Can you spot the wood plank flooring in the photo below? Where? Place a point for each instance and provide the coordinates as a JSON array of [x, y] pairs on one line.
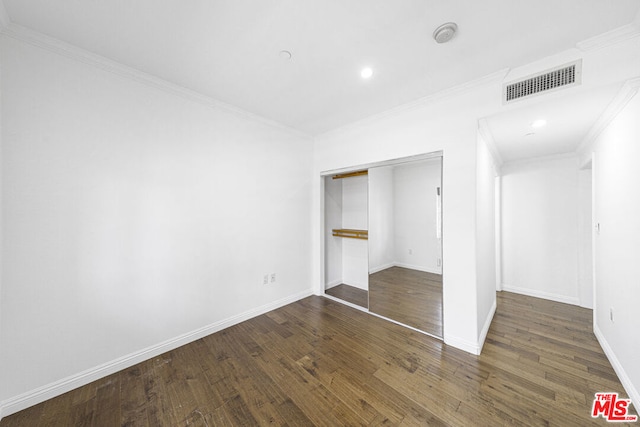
[[350, 294], [319, 362], [408, 296]]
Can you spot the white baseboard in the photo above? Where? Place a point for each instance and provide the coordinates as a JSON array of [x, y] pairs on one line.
[[364, 287], [473, 347], [39, 395], [632, 391], [541, 294], [464, 345], [417, 267], [333, 283], [403, 265], [381, 267], [487, 325]]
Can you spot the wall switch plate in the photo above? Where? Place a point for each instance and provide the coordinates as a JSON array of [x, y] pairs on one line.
[[265, 279], [273, 278]]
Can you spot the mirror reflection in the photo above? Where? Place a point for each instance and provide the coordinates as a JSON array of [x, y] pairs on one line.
[[383, 241], [405, 244]]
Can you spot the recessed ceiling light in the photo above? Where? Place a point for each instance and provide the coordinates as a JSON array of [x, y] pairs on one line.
[[539, 123], [366, 73]]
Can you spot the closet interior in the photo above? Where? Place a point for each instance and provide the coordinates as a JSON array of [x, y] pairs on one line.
[[383, 240]]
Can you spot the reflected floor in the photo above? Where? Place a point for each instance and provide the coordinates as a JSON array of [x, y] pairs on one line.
[[411, 297], [408, 296], [350, 294]]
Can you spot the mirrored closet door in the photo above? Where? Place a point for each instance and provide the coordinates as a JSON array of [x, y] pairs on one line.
[[383, 240], [405, 244]]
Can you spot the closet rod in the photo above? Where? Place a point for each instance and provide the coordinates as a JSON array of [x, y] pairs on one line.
[[351, 174], [350, 233]]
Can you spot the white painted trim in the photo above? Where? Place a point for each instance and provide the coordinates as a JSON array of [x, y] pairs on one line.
[[498, 231], [347, 303], [610, 38], [634, 394], [417, 268], [464, 345], [381, 267], [493, 78], [626, 94], [33, 397], [59, 47], [333, 283], [533, 160], [487, 136], [541, 294], [402, 265], [405, 325], [487, 325], [390, 162], [366, 310]]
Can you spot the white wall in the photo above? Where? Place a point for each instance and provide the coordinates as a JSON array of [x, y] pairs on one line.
[[132, 216], [402, 216], [448, 125], [485, 238], [381, 219], [415, 194], [3, 380], [585, 246], [355, 252], [617, 247], [540, 228]]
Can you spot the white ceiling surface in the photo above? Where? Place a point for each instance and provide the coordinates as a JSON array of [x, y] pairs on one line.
[[569, 119], [229, 50]]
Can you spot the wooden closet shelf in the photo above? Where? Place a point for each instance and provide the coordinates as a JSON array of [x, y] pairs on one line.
[[351, 174], [352, 234]]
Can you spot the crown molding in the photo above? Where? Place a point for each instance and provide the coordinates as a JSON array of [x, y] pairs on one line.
[[5, 20], [59, 47], [487, 136], [612, 37], [493, 78], [625, 94], [506, 168]]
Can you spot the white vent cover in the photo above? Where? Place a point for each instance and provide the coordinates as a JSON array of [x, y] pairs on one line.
[[562, 77]]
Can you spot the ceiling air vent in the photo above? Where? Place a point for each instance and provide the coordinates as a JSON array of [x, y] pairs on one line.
[[565, 76]]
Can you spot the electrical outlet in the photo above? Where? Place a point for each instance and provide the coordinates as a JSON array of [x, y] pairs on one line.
[[611, 314], [439, 262], [273, 278], [265, 279], [410, 251]]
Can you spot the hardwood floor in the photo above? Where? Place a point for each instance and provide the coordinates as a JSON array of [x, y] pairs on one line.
[[319, 362], [350, 294], [410, 297]]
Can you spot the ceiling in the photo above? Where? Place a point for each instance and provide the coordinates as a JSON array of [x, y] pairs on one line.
[[568, 119], [230, 50]]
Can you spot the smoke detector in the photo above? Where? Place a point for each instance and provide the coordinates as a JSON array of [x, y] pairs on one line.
[[445, 32]]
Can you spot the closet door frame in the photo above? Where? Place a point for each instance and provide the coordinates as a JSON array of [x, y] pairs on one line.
[[323, 231]]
